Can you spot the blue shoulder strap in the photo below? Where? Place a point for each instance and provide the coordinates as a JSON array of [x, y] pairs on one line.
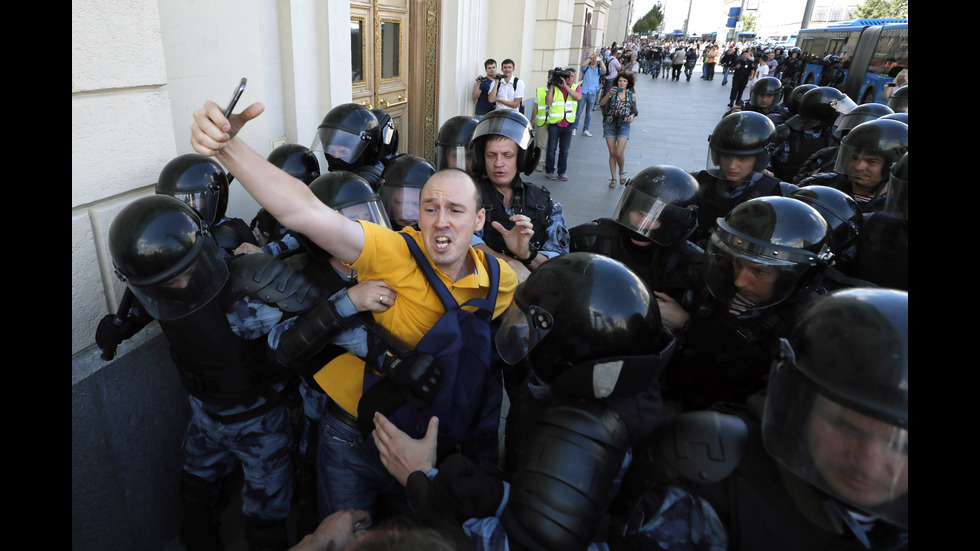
[[485, 306]]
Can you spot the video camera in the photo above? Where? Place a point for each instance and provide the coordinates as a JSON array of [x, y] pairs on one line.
[[557, 76]]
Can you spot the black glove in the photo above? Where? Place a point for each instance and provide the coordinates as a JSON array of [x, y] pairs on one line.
[[465, 490], [111, 333], [417, 376]]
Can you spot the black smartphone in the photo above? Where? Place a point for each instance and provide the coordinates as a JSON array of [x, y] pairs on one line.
[[235, 97]]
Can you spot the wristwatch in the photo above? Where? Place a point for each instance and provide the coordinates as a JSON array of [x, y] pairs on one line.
[[530, 257]]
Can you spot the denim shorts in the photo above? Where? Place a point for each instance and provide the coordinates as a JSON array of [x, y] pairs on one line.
[[609, 130]]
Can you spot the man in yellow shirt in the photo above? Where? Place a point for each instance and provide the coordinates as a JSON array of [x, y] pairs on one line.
[[451, 211]]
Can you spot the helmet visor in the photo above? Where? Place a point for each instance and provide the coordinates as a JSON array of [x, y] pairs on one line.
[[521, 331], [371, 211], [454, 156], [339, 144], [857, 458], [758, 279], [203, 201], [188, 289], [652, 218], [402, 204]]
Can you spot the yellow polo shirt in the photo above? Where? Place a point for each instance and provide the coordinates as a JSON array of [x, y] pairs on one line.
[[416, 309]]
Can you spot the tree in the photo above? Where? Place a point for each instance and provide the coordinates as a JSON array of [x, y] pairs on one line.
[[651, 21], [748, 23], [877, 9]]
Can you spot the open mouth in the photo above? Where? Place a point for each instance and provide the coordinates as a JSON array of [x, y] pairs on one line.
[[442, 243]]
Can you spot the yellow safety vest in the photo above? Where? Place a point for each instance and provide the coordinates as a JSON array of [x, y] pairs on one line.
[[542, 117], [561, 108]]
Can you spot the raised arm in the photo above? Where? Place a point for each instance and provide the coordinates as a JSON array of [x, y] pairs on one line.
[[285, 197]]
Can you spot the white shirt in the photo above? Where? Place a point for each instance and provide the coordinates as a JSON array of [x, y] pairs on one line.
[[506, 91]]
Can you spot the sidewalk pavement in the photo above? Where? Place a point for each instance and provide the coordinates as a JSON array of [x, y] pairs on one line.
[[672, 128]]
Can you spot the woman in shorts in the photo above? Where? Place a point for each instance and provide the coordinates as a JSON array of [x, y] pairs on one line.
[[619, 109]]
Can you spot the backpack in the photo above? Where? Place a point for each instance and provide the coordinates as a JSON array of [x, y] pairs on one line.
[[520, 108], [465, 367]]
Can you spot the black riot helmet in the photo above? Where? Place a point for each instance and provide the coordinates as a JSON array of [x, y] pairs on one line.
[[897, 201], [887, 139], [796, 96], [509, 124], [837, 408], [775, 239], [389, 133], [349, 137], [453, 148], [659, 205], [899, 102], [839, 211], [860, 114], [351, 196], [581, 320], [821, 107], [768, 86], [794, 50], [401, 188], [297, 161], [900, 117], [742, 134], [165, 253], [198, 181]]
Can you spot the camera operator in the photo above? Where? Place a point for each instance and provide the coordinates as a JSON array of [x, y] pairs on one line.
[[481, 91], [562, 105]]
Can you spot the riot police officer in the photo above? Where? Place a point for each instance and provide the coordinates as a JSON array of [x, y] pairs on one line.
[[212, 311], [352, 139], [763, 263], [765, 97], [453, 147], [201, 183], [649, 230], [883, 249], [523, 221], [401, 185], [824, 159], [739, 150], [864, 162], [810, 130], [828, 466]]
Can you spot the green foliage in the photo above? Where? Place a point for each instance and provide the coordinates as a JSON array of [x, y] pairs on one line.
[[650, 22], [748, 23], [873, 9]]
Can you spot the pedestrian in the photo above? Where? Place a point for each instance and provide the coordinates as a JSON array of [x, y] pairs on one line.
[[616, 120]]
